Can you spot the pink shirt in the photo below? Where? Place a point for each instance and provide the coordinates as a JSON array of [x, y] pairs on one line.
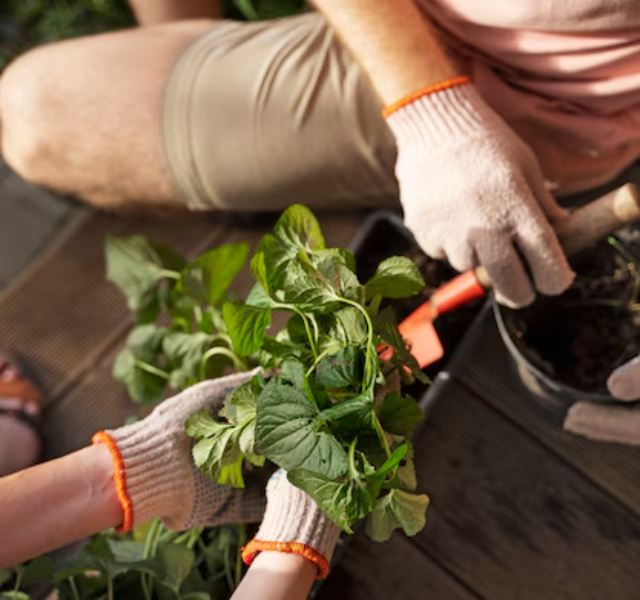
[[565, 74]]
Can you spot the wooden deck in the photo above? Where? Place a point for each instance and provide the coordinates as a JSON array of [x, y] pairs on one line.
[[520, 510]]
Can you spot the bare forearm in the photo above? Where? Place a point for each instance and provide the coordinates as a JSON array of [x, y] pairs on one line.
[[56, 503], [277, 576], [392, 41], [152, 12]]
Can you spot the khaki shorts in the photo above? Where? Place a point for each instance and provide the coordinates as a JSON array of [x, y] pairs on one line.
[[258, 116]]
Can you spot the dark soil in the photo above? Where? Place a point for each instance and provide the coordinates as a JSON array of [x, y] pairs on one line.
[[389, 239], [578, 338]]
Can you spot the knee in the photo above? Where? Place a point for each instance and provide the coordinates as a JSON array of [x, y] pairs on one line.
[[25, 99]]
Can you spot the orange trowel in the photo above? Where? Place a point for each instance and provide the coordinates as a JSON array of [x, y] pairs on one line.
[[580, 230]]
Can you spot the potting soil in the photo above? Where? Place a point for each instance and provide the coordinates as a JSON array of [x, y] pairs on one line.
[[578, 338]]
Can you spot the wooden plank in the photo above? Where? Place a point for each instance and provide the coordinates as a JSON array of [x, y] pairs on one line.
[[97, 402], [31, 216], [512, 520], [396, 570], [485, 368]]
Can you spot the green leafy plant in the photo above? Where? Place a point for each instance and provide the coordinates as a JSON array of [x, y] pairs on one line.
[[326, 409], [161, 287], [148, 563], [320, 414]]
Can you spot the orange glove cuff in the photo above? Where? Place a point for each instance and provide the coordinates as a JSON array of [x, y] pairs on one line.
[[255, 546], [119, 478], [427, 91]]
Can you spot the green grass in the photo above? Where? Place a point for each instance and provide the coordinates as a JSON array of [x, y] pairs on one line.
[[28, 23]]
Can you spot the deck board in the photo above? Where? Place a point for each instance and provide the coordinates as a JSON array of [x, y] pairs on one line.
[[513, 520], [31, 218], [396, 570]]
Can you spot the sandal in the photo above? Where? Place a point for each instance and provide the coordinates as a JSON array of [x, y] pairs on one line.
[[20, 396]]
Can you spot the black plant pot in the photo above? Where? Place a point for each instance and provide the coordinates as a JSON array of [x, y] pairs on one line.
[[551, 395]]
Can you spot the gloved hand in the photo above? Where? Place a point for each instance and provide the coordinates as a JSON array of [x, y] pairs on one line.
[[156, 476], [473, 193], [611, 422], [294, 524]]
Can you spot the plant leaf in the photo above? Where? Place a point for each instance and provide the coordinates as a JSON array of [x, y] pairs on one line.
[[406, 475], [343, 502], [351, 415], [202, 425], [353, 325], [136, 267], [345, 257], [258, 298], [143, 387], [208, 278], [399, 415], [177, 562], [298, 227], [303, 285], [342, 369], [386, 326], [398, 509], [286, 433], [184, 353], [241, 404], [297, 230], [395, 277], [39, 570], [218, 456], [246, 325]]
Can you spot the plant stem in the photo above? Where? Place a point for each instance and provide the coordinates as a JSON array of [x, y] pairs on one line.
[[242, 540], [19, 575], [312, 344], [148, 552], [169, 274], [197, 313], [353, 469], [316, 329], [227, 568], [109, 586], [74, 588], [143, 366], [221, 351], [370, 349], [381, 436], [194, 537], [315, 362]]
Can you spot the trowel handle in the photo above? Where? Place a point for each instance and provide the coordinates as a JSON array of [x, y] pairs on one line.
[[581, 229], [598, 219]]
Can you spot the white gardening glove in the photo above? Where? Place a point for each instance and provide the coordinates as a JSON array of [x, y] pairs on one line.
[[294, 524], [611, 422], [473, 193], [155, 474]]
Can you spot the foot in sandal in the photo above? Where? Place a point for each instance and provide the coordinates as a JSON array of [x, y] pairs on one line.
[[20, 410]]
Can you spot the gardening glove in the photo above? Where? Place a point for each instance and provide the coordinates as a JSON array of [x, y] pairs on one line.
[[472, 192], [611, 422], [155, 474], [294, 524]]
